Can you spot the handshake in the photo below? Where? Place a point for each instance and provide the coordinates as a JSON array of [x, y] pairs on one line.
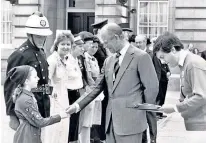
[[70, 110]]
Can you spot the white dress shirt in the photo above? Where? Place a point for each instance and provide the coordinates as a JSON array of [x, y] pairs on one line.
[[123, 52]]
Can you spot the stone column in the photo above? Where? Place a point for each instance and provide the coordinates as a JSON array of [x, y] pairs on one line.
[[85, 4], [133, 16], [55, 11], [49, 9], [111, 10]]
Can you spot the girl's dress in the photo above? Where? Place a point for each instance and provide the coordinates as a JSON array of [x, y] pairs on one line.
[[31, 121]]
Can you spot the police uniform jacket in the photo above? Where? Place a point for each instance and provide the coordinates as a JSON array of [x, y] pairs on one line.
[[28, 54], [31, 120]]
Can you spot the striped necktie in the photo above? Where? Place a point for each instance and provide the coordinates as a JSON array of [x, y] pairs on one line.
[[116, 65]]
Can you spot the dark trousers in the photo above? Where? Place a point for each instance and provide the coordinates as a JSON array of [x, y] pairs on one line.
[[43, 103], [162, 94], [96, 132], [73, 95], [152, 123]]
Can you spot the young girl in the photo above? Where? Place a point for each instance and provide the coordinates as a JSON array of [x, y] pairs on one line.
[[26, 109]]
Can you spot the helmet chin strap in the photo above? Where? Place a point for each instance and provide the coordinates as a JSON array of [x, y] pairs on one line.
[[32, 38]]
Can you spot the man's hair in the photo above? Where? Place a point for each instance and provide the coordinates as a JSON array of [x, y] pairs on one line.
[[113, 29], [132, 38], [166, 42], [144, 37]]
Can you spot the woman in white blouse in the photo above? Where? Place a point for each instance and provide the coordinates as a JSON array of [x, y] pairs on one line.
[[75, 84], [58, 75]]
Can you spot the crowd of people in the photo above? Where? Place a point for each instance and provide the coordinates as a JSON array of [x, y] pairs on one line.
[[88, 89]]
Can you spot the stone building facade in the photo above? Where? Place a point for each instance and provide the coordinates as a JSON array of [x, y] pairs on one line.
[[187, 19]]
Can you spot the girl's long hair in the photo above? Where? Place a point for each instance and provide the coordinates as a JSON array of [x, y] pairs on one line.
[[17, 91]]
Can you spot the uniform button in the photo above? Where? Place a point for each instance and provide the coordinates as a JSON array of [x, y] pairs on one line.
[[35, 65], [44, 77], [42, 69], [36, 54], [40, 62]]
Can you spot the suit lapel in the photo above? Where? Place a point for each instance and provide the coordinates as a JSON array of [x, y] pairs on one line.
[[110, 72], [125, 63]]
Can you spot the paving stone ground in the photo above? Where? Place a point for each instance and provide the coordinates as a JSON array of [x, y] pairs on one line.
[[170, 129], [173, 129]]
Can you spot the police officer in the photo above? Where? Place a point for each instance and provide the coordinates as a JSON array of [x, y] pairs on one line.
[[31, 53]]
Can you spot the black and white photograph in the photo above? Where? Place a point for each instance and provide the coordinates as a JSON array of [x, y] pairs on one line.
[[103, 71]]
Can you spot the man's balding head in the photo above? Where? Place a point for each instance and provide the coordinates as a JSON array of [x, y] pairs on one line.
[[112, 37], [111, 29]]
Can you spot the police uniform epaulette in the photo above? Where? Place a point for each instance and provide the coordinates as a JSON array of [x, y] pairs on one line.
[[23, 48]]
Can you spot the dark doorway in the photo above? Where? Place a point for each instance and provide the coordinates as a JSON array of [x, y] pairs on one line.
[[78, 22]]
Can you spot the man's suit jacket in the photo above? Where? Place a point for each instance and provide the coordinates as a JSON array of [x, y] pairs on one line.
[[136, 81], [156, 62]]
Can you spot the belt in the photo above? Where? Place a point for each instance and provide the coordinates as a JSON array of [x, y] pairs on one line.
[[73, 90], [45, 89], [23, 121]]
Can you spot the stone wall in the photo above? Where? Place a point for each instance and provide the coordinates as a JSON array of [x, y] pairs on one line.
[[20, 14], [111, 10], [54, 10], [190, 22]]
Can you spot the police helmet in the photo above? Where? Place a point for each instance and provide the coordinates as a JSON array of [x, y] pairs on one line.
[[38, 24]]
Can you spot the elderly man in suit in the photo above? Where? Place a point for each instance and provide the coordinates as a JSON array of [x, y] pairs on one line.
[[130, 77]]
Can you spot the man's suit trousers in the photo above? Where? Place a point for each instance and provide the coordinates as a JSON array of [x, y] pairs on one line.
[[112, 137]]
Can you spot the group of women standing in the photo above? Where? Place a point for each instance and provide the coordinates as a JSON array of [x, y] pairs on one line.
[[72, 70]]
